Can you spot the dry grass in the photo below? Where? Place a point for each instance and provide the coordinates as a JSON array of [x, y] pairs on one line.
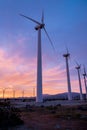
[[52, 118]]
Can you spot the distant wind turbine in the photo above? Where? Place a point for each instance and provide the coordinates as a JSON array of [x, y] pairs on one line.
[[3, 93], [40, 25], [80, 85], [67, 55], [22, 93], [85, 75], [13, 93], [33, 91]]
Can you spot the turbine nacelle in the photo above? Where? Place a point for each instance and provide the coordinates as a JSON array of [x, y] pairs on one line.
[[40, 26], [78, 67], [84, 74], [66, 55]]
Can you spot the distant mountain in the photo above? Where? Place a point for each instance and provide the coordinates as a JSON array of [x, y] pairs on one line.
[[75, 95]]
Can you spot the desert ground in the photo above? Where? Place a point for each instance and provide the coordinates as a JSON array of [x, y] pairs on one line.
[[52, 115]]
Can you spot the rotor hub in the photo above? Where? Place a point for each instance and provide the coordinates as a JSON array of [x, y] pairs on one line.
[[66, 55], [39, 26], [78, 67]]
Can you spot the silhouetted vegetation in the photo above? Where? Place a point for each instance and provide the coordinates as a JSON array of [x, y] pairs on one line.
[[9, 116]]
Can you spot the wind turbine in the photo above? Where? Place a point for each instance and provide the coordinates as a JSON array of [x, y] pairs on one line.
[[33, 91], [3, 93], [85, 75], [40, 25], [22, 93], [66, 56], [78, 67], [13, 93]]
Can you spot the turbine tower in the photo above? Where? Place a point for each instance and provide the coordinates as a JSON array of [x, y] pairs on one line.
[[22, 93], [3, 93], [14, 94], [33, 91], [66, 56], [84, 76], [40, 25], [80, 85]]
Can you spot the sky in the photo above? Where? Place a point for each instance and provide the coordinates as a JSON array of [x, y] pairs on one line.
[[66, 24]]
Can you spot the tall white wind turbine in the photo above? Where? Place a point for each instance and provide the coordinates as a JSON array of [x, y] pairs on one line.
[[66, 56], [85, 75], [40, 25], [78, 67]]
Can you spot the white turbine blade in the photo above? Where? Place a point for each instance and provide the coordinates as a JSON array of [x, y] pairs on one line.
[[42, 20], [67, 50], [30, 19], [84, 70], [77, 63], [49, 39]]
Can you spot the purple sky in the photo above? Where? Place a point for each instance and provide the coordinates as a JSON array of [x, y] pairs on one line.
[[66, 23]]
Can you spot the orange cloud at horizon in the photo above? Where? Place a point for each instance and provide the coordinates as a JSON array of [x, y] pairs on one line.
[[19, 74]]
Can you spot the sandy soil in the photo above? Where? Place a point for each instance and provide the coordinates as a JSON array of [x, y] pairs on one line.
[[54, 118]]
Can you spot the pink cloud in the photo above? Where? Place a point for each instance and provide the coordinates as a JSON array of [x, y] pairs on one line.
[[21, 74]]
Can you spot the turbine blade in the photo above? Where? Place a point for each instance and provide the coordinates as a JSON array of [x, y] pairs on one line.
[[84, 69], [49, 39], [85, 72], [30, 19], [76, 63], [67, 50], [42, 20]]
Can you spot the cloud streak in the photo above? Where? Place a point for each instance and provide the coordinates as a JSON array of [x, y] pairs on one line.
[[20, 73]]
